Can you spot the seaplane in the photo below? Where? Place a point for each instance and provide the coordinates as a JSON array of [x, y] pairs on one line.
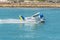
[[36, 18]]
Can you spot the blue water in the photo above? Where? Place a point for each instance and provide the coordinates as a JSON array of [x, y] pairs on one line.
[[50, 30]]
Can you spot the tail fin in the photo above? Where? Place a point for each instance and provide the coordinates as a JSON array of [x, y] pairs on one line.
[[20, 18]]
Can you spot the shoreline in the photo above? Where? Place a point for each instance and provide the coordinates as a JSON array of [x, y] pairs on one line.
[[40, 5]]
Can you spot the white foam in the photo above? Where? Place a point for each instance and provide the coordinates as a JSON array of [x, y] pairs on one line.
[[9, 21], [2, 21]]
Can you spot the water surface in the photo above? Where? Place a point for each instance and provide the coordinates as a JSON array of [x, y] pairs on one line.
[[50, 30]]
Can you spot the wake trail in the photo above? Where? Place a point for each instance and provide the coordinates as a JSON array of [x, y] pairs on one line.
[[3, 21], [9, 21]]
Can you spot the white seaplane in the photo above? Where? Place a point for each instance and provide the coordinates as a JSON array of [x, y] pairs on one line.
[[36, 18]]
